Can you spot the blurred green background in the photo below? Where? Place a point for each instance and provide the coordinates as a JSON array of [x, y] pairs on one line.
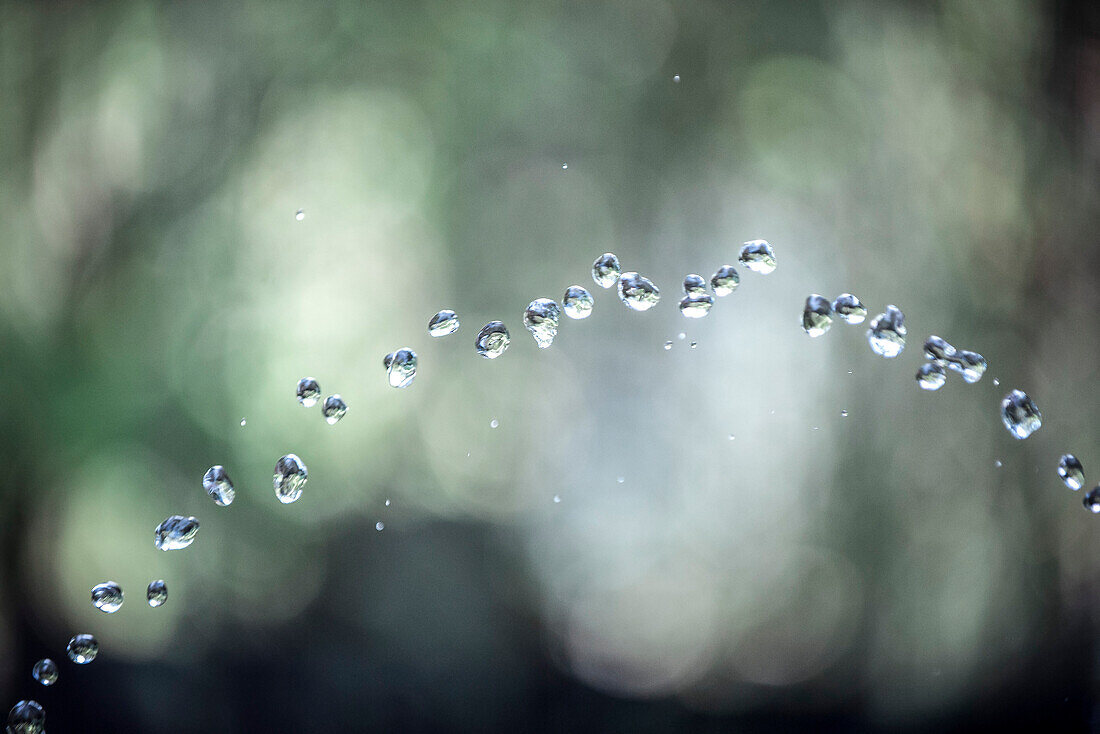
[[730, 551]]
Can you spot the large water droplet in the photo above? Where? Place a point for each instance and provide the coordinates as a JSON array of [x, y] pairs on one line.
[[849, 308], [696, 305], [725, 280], [817, 315], [887, 333], [694, 284], [1020, 415], [1092, 499], [26, 717], [577, 302], [757, 256], [938, 349], [970, 365], [82, 649], [217, 484], [638, 292], [931, 376], [45, 672], [290, 478], [606, 270], [1071, 471], [493, 339], [541, 318], [157, 593], [443, 323], [334, 409], [107, 597], [400, 367], [175, 533], [309, 392]]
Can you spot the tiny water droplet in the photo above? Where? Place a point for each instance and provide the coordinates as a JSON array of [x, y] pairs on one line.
[[243, 422], [309, 392], [26, 717], [107, 597], [82, 649], [817, 315], [1092, 499], [844, 414], [334, 409], [668, 345], [620, 480], [443, 323], [849, 308], [557, 499], [157, 593], [757, 256], [606, 270], [300, 214], [996, 382], [693, 345], [565, 166], [175, 533], [938, 349], [998, 463], [1071, 471], [45, 672], [1020, 414], [493, 339], [577, 302], [732, 437], [290, 478], [931, 376], [887, 333], [218, 485], [541, 318], [379, 526], [676, 78], [638, 292], [387, 503], [725, 280], [400, 367], [494, 423], [681, 336]]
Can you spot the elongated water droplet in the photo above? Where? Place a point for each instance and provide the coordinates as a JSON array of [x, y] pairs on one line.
[[243, 422], [887, 333], [400, 367], [443, 323], [817, 315], [931, 376], [1020, 414], [218, 485], [27, 717], [849, 308], [1071, 471], [290, 478], [82, 649], [541, 318], [757, 256], [493, 339], [175, 533], [107, 597], [45, 672], [309, 392], [334, 409], [725, 280], [638, 292], [694, 284], [577, 302], [1092, 500], [157, 593], [938, 349], [606, 270], [970, 365], [696, 305]]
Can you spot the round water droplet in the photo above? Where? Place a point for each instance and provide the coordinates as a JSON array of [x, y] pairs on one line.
[[45, 672], [817, 315], [243, 422], [107, 597], [887, 333], [217, 484], [606, 270], [557, 499], [493, 339], [694, 284], [620, 480], [725, 280], [400, 367], [1071, 472], [938, 349], [693, 345], [309, 392], [300, 214], [931, 376], [732, 437], [638, 292], [996, 382], [157, 593], [844, 414], [998, 463], [541, 318], [175, 533], [290, 478], [379, 526], [696, 306], [577, 302], [1092, 499], [334, 409], [27, 717], [970, 365], [494, 423], [849, 308], [443, 323], [757, 256], [82, 649], [565, 166], [681, 336], [676, 78], [1020, 414], [668, 345]]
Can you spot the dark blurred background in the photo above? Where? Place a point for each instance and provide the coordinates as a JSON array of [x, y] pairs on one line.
[[761, 532]]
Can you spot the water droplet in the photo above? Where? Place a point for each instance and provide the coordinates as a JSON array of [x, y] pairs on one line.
[[638, 292], [996, 382], [492, 341], [998, 463], [565, 166], [300, 214], [290, 478], [620, 480], [1092, 499], [676, 78], [107, 597], [938, 349], [931, 376], [693, 345], [27, 717], [817, 315], [844, 414], [577, 302], [849, 308], [494, 423], [541, 318], [400, 367], [694, 284], [557, 499], [696, 306], [887, 333], [1071, 471], [725, 280], [82, 649], [757, 256], [334, 409], [732, 437], [175, 533], [309, 392], [387, 503], [379, 526], [668, 345], [970, 365], [243, 422], [45, 672], [1020, 414], [443, 323], [157, 593], [606, 270], [218, 485]]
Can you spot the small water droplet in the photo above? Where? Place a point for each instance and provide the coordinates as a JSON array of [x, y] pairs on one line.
[[849, 308], [243, 422], [998, 463], [493, 339], [844, 414], [565, 166], [681, 336], [443, 323], [638, 292], [606, 270], [82, 649], [1092, 499], [45, 672], [996, 382], [732, 437], [107, 597], [290, 478], [931, 376], [620, 480], [541, 318], [334, 409], [379, 526], [387, 503], [300, 214], [725, 280], [494, 423], [218, 485], [157, 593], [668, 345], [676, 78], [577, 302], [693, 345], [175, 533], [817, 315], [1071, 471], [757, 256], [27, 717], [557, 499], [400, 367], [887, 333], [1020, 414], [309, 392]]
